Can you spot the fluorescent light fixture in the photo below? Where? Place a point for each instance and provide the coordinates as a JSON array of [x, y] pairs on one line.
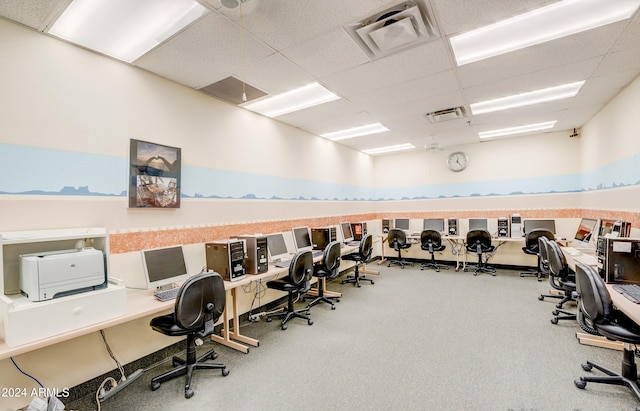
[[355, 132], [304, 97], [551, 22], [124, 29], [389, 149], [527, 99], [516, 130]]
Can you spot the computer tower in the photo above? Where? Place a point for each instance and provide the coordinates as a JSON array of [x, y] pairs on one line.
[[226, 257], [503, 227], [516, 226], [322, 236], [452, 226], [386, 225], [621, 260], [359, 230], [256, 261]]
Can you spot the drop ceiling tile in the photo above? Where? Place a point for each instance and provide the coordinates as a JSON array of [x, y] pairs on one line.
[[332, 52], [208, 51], [620, 61], [408, 65], [275, 74], [35, 14]]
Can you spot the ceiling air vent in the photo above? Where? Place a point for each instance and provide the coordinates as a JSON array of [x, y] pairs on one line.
[[394, 29], [444, 115]]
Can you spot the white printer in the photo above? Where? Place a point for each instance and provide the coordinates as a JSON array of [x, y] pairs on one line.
[[44, 276]]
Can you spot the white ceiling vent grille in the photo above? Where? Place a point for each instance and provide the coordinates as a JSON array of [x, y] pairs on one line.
[[394, 29], [444, 115]]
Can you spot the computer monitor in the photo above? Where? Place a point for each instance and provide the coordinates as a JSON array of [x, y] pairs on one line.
[[347, 233], [164, 266], [585, 229], [302, 238], [606, 227], [276, 247], [530, 225], [436, 224], [478, 224], [401, 223]]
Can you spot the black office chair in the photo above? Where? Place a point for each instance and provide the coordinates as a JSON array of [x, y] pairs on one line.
[[531, 247], [199, 304], [595, 303], [430, 240], [362, 256], [559, 269], [479, 242], [327, 270], [544, 261], [295, 284], [397, 240]]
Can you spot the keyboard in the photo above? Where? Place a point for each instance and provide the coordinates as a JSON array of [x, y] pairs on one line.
[[316, 254], [283, 263], [630, 291], [166, 295], [572, 250]]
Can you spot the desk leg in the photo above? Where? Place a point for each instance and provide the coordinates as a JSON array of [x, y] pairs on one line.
[[599, 341], [366, 271], [228, 336]]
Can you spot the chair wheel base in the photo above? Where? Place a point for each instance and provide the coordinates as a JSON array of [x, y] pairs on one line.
[[580, 384]]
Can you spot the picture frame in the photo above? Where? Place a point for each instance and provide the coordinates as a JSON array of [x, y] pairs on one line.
[[154, 179]]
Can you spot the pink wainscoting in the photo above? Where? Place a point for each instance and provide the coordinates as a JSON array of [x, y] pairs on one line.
[[139, 240]]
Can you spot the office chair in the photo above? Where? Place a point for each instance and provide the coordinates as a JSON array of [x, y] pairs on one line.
[[430, 240], [566, 280], [397, 240], [199, 303], [362, 256], [295, 284], [327, 270], [531, 247], [479, 242], [544, 261], [595, 303]]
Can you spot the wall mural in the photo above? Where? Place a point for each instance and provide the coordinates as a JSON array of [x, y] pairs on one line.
[[42, 171]]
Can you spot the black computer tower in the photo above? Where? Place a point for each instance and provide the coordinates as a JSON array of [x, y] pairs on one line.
[[452, 226], [386, 225], [256, 261], [322, 236], [621, 260], [359, 230], [226, 257], [503, 227]]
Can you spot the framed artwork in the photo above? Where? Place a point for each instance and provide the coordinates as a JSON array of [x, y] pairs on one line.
[[154, 180]]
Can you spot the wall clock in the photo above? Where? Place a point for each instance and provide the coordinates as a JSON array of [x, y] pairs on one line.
[[457, 161]]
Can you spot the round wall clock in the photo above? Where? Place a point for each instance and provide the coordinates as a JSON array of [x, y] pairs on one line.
[[457, 161]]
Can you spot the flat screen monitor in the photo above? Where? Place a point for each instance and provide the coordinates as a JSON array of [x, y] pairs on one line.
[[478, 224], [302, 238], [436, 224], [606, 227], [347, 233], [164, 266], [276, 247], [401, 223], [585, 229], [549, 225]]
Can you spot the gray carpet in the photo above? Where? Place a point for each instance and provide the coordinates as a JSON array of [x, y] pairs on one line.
[[416, 340]]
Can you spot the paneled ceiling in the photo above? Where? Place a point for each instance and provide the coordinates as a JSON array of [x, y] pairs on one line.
[[278, 45]]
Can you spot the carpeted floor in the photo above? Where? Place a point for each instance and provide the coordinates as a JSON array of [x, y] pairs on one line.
[[416, 340]]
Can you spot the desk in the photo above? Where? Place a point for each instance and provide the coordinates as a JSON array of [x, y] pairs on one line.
[[234, 339], [588, 257]]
